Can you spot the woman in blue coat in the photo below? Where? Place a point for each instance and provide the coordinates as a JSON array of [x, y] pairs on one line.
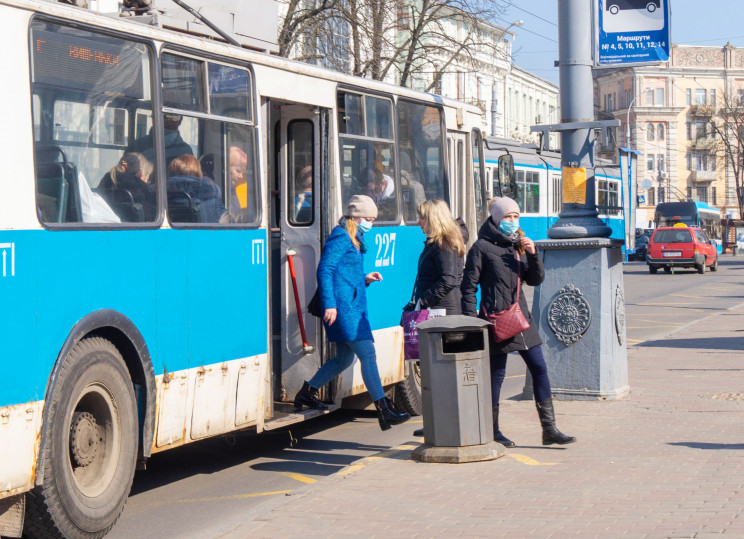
[[341, 286]]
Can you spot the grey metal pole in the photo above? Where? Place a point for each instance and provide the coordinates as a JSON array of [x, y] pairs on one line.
[[578, 217], [494, 109]]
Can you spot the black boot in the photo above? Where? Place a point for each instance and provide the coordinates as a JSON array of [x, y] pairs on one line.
[[308, 396], [497, 436], [418, 432], [551, 435], [388, 414]]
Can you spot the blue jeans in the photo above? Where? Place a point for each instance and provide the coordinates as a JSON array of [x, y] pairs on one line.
[[535, 363], [365, 350]]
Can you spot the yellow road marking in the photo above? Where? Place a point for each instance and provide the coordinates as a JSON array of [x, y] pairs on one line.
[[666, 303], [686, 296], [529, 461], [299, 477], [233, 497], [634, 340], [647, 320], [377, 456], [415, 421]]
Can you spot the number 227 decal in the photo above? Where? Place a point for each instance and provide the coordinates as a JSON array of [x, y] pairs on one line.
[[385, 249]]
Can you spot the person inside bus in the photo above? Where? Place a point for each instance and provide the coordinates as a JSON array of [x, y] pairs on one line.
[[499, 261], [185, 176], [240, 196], [303, 204], [411, 187], [174, 143], [342, 290], [132, 173]]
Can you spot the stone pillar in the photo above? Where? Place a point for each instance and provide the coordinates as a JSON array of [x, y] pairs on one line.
[[580, 311]]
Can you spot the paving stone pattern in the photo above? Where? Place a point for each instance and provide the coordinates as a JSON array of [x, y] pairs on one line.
[[667, 461]]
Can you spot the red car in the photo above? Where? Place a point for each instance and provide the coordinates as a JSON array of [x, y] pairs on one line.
[[681, 246]]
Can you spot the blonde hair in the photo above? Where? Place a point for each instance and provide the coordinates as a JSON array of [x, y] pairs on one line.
[[442, 228], [351, 229]]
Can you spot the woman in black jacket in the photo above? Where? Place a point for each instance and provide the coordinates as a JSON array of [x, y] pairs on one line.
[[494, 263], [440, 263]]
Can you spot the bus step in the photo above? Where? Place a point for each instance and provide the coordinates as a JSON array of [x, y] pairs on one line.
[[297, 417]]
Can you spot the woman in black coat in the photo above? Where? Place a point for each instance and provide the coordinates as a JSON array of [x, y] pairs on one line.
[[496, 261], [440, 263]]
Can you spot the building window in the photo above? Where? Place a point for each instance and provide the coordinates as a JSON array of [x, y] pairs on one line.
[[688, 129], [701, 129], [688, 97], [650, 97], [702, 194], [689, 192], [699, 96], [649, 131], [740, 97], [689, 161], [660, 97], [650, 197], [713, 102], [660, 132], [660, 161], [713, 162], [713, 197], [650, 162]]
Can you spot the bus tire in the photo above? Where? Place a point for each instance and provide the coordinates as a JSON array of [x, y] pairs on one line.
[[408, 392], [652, 269], [90, 450]]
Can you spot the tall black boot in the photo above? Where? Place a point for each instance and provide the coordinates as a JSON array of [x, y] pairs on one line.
[[551, 435], [497, 436], [308, 396], [388, 414]]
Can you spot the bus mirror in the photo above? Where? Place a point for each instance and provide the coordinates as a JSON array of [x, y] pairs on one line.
[[507, 177]]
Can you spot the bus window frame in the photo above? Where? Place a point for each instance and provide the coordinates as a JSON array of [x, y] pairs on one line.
[[444, 148], [180, 50], [395, 142], [154, 58]]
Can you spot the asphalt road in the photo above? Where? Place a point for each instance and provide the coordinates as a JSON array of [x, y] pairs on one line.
[[206, 488]]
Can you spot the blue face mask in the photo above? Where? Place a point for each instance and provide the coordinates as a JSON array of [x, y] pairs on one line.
[[509, 227], [364, 226]]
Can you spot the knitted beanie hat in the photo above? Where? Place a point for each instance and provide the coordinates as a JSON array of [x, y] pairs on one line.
[[502, 206], [362, 206]]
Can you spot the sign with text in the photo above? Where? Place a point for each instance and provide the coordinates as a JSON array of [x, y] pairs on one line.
[[631, 32]]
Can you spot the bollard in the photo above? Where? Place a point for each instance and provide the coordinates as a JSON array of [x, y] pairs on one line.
[[456, 391]]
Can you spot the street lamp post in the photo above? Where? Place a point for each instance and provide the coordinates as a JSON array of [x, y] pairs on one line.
[[627, 122], [494, 107]]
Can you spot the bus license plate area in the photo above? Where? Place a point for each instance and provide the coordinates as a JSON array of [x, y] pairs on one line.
[[672, 254]]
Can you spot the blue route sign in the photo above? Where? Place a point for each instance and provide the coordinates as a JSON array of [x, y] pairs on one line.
[[632, 32]]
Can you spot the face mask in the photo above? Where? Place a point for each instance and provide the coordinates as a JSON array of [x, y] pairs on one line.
[[364, 226], [509, 227]]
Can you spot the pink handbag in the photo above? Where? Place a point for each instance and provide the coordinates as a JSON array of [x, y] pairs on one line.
[[509, 322]]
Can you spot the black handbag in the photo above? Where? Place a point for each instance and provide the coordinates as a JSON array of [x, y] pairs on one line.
[[314, 306]]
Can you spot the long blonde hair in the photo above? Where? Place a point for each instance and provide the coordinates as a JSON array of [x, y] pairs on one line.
[[351, 229], [442, 228]]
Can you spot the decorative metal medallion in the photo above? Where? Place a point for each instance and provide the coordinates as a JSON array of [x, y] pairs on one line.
[[619, 314], [569, 315]]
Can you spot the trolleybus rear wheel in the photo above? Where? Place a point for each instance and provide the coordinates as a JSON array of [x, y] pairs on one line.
[[408, 392], [89, 453]]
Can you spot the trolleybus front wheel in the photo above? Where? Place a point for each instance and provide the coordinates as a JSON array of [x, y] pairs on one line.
[[89, 454]]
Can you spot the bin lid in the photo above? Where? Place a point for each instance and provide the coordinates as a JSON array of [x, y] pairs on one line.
[[455, 322]]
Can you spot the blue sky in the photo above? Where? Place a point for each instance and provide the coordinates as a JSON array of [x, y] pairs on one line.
[[536, 44]]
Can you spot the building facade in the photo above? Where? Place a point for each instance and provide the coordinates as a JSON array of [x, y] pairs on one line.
[[666, 113]]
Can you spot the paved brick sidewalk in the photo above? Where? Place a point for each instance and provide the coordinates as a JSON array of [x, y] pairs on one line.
[[668, 461]]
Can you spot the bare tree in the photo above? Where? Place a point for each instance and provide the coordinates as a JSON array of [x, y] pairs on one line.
[[728, 128], [379, 37]]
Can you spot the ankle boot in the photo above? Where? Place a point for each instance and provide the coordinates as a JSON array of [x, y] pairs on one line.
[[551, 435], [388, 414], [308, 396], [497, 436]]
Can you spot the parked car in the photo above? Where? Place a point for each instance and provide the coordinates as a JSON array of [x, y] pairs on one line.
[[681, 246], [641, 248]]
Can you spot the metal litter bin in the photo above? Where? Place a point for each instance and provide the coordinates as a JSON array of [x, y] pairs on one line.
[[456, 391]]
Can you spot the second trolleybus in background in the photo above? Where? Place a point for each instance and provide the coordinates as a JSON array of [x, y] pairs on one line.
[[154, 185], [691, 213]]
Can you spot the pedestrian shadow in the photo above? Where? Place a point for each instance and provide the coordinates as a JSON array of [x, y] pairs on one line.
[[703, 343], [705, 445]]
